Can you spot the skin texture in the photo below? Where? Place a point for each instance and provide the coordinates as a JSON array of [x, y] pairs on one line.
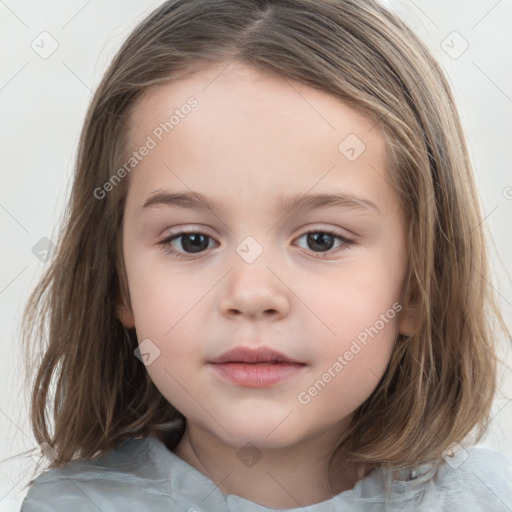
[[251, 137]]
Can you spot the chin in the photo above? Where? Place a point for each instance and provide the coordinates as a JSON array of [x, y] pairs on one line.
[[263, 436]]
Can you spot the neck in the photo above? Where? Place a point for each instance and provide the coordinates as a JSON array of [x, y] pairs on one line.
[[283, 477]]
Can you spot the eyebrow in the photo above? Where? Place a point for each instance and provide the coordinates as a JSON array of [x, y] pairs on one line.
[[295, 202]]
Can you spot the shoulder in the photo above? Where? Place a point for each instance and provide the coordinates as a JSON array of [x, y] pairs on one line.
[[476, 478], [472, 479], [120, 474]]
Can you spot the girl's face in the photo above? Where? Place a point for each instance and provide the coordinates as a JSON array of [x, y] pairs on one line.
[[255, 270]]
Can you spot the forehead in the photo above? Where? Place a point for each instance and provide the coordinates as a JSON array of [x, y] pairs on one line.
[[240, 90], [252, 132]]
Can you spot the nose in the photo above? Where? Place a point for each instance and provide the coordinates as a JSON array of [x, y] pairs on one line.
[[254, 290]]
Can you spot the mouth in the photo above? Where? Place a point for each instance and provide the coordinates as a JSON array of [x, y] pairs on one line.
[[256, 368], [260, 355], [257, 375]]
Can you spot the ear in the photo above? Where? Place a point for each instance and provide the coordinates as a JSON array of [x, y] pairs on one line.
[[408, 319], [125, 315]]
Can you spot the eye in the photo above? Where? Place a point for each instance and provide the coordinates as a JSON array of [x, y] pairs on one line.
[[323, 241], [192, 242]]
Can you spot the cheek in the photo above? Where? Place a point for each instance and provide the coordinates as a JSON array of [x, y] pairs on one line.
[[161, 297], [173, 314], [355, 303], [178, 338], [360, 325], [350, 363]]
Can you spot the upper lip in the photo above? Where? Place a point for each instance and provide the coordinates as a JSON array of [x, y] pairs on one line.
[[253, 355]]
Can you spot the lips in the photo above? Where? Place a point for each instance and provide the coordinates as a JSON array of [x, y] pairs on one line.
[[262, 367], [260, 355]]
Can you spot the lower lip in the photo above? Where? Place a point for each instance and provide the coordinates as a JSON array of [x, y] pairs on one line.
[[257, 375]]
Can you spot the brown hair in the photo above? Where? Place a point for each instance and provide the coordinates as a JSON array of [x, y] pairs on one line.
[[441, 380]]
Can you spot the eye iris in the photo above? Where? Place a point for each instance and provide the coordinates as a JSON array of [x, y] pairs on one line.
[[194, 242], [318, 240]]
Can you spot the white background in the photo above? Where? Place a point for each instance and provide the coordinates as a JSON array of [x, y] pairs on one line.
[[43, 103]]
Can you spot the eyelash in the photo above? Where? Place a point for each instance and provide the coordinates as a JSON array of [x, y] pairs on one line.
[[166, 243]]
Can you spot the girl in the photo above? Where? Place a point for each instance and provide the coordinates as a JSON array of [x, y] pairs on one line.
[[271, 289]]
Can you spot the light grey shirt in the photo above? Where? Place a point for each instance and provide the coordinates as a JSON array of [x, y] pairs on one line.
[[144, 475]]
